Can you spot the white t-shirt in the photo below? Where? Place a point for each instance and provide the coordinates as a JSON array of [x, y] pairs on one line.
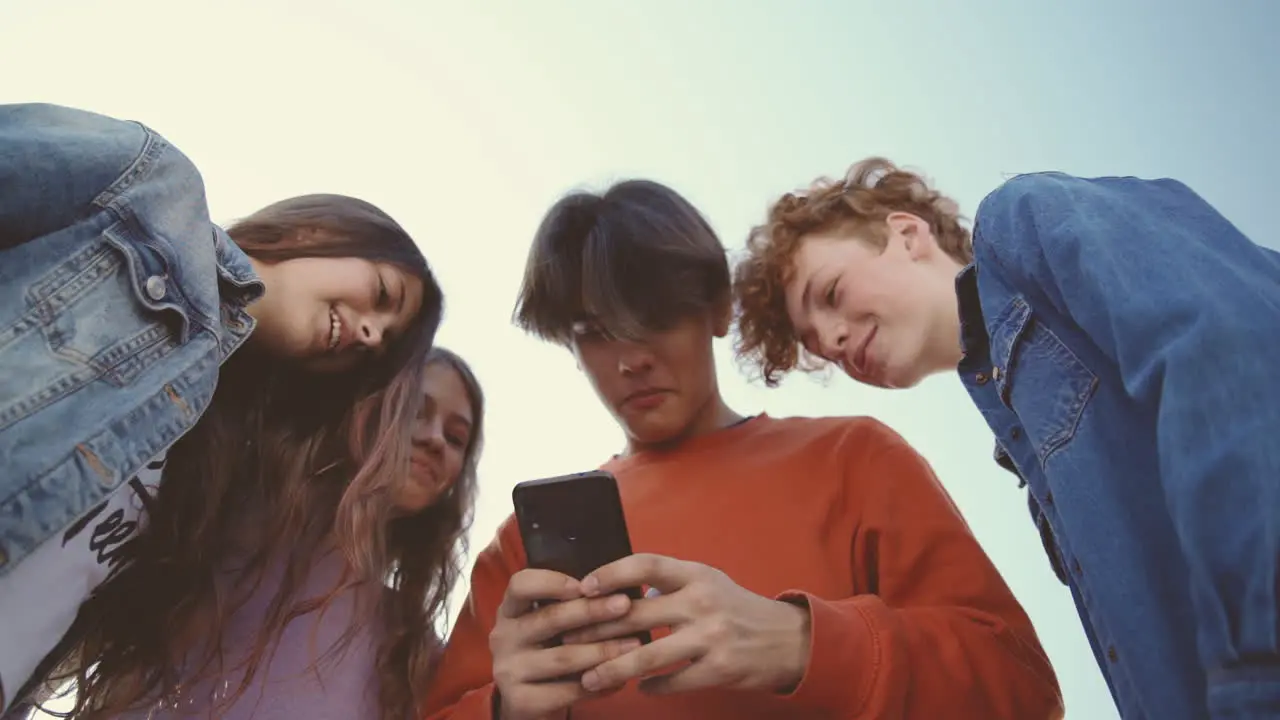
[[40, 597]]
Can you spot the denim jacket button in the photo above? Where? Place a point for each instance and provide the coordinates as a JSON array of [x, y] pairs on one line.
[[155, 287], [980, 378]]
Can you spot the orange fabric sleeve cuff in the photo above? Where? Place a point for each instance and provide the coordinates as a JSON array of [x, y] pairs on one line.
[[477, 704], [844, 654]]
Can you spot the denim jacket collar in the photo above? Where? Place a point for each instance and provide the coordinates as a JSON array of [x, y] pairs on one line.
[[235, 268]]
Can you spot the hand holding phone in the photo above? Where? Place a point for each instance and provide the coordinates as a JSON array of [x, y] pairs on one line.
[[531, 679]]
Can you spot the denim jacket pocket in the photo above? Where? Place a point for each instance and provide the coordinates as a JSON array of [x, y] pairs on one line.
[[98, 308], [151, 274], [1039, 379]]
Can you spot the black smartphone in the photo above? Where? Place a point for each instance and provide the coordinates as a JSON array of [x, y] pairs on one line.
[[573, 524]]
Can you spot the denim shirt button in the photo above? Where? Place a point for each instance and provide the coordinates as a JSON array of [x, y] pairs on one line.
[[1112, 655], [1015, 432], [1075, 567], [980, 378], [155, 287]]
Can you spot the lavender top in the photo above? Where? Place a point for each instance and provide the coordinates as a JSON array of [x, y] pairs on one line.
[[289, 684]]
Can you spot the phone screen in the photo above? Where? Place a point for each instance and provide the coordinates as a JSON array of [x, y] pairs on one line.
[[573, 524]]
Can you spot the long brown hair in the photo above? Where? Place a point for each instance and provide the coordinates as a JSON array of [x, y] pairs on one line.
[[427, 551], [282, 466]]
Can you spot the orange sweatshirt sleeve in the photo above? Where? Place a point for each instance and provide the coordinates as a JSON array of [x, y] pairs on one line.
[[463, 686], [936, 632]]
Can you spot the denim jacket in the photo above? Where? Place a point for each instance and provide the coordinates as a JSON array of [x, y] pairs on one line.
[[1121, 339], [119, 301]]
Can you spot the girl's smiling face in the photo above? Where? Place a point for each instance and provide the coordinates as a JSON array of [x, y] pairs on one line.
[[442, 435], [328, 313]]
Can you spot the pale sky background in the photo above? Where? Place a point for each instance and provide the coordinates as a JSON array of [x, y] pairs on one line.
[[466, 120]]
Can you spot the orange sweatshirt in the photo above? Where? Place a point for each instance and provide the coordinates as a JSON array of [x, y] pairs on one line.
[[909, 617]]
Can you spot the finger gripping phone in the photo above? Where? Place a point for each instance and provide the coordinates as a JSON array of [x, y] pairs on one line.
[[573, 524]]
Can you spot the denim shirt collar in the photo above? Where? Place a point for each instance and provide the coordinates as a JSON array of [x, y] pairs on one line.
[[975, 346], [973, 330], [234, 267]]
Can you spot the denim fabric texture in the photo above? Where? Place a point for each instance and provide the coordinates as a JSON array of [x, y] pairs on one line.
[[119, 301], [1120, 337]]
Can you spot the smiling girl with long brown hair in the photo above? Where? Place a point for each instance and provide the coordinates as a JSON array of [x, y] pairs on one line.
[[187, 413], [262, 647], [291, 505]]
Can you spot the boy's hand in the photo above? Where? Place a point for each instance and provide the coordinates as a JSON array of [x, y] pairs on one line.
[[525, 672], [730, 636]]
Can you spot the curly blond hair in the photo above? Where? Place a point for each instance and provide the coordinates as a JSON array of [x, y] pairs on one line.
[[859, 203]]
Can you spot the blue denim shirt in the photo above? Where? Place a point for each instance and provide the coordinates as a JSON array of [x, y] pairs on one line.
[[1121, 339], [119, 301]]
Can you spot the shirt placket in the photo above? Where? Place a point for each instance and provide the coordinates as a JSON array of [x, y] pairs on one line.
[[1014, 441]]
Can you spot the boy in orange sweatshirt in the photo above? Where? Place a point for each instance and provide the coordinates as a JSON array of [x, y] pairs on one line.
[[798, 568]]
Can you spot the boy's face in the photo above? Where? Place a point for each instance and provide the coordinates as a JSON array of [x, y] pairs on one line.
[[658, 387], [884, 316]]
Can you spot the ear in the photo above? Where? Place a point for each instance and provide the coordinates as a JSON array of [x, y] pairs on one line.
[[914, 234]]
